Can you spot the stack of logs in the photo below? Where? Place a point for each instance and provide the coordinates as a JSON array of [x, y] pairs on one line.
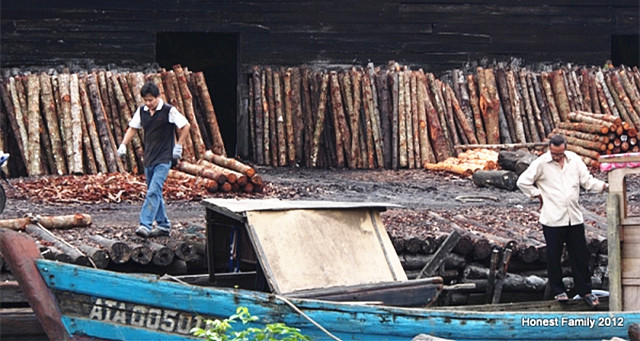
[[395, 117], [176, 257], [470, 260], [72, 123], [591, 135]]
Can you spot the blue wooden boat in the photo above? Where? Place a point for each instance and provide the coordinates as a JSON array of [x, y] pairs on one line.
[[74, 302]]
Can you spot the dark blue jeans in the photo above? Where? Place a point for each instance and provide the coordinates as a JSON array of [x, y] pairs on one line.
[[573, 236], [153, 207]]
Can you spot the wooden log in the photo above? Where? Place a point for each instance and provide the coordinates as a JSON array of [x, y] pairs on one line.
[[217, 144], [298, 117], [593, 92], [119, 252], [440, 109], [141, 254], [505, 99], [266, 119], [231, 175], [426, 152], [462, 96], [394, 78], [106, 138], [402, 122], [343, 138], [475, 107], [528, 106], [523, 112], [187, 100], [90, 166], [382, 85], [448, 114], [610, 107], [411, 105], [583, 152], [281, 133], [115, 119], [272, 129], [589, 144], [62, 222], [200, 170], [601, 117], [372, 137], [622, 110], [307, 114], [19, 121], [585, 90], [258, 114], [229, 163], [457, 169], [501, 275], [162, 255], [319, 119], [352, 118], [33, 127], [491, 114], [356, 80], [136, 154], [75, 256], [624, 99], [515, 108], [560, 93], [504, 179], [584, 127], [91, 128], [507, 159], [467, 129], [630, 90], [582, 135], [415, 121], [524, 162], [98, 257], [545, 113], [551, 100], [5, 94], [438, 138], [194, 181], [375, 117], [602, 98], [288, 117]]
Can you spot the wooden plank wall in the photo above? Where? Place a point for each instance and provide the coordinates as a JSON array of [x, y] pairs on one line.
[[435, 35]]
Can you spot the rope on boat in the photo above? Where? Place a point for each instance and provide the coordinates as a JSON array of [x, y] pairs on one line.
[[293, 306]]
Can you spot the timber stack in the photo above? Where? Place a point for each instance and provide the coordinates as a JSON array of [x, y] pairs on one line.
[[71, 123], [395, 117], [482, 244]]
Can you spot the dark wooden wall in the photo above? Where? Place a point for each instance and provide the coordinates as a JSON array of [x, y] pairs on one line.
[[434, 35]]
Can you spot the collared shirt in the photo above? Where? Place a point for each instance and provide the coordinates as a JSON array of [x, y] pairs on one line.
[[559, 187], [175, 116]]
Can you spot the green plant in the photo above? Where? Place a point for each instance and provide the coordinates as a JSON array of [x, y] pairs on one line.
[[217, 330]]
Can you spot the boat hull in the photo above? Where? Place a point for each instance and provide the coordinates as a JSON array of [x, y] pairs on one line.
[[109, 305]]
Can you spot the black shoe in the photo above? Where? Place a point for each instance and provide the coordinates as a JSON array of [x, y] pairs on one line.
[[158, 232], [143, 231]]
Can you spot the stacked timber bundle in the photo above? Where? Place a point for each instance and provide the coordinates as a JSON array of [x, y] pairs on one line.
[[71, 123], [484, 235], [395, 117]]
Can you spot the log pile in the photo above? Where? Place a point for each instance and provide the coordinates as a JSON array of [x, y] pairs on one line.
[[395, 117], [72, 122], [484, 234]]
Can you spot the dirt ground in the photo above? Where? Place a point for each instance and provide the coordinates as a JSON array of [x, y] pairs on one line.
[[417, 191]]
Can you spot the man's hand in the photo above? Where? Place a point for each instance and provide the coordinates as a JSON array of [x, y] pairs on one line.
[[540, 198], [177, 152], [122, 150], [605, 187]]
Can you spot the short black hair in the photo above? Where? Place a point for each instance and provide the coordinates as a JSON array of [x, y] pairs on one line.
[[557, 140], [150, 88]]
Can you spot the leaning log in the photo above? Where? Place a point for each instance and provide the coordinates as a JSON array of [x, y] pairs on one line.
[[490, 94], [258, 114], [560, 94], [119, 252], [475, 107], [467, 129], [288, 117], [212, 120], [33, 114], [319, 117], [106, 138], [340, 128], [20, 128], [75, 256], [440, 146], [187, 100], [91, 129], [551, 101], [426, 152]]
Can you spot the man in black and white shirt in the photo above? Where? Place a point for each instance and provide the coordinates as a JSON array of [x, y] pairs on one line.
[[159, 121]]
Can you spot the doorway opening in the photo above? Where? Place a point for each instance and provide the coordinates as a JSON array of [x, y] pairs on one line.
[[625, 49], [216, 55]]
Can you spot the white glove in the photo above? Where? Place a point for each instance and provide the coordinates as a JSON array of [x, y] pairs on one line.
[[177, 151], [122, 150]]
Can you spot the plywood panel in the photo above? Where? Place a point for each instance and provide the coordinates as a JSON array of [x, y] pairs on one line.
[[306, 249]]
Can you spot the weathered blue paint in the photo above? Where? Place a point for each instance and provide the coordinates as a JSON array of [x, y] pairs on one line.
[[348, 321]]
